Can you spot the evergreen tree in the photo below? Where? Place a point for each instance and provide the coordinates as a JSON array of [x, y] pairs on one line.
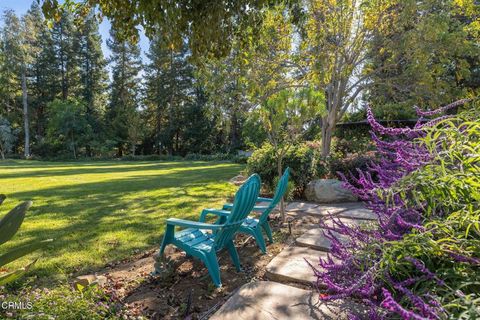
[[42, 74], [66, 44], [124, 92], [169, 89], [9, 67], [200, 131], [93, 77], [18, 46]]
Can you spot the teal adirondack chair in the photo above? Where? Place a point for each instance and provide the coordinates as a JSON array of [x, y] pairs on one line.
[[199, 243], [254, 226]]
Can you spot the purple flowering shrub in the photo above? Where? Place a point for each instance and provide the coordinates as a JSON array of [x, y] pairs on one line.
[[421, 258]]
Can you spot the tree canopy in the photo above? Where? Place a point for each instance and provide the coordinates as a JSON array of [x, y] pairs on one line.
[[210, 26]]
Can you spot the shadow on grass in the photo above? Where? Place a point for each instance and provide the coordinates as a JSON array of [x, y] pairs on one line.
[[66, 169], [104, 221]]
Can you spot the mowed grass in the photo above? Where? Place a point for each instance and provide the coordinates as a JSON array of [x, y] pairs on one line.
[[98, 212]]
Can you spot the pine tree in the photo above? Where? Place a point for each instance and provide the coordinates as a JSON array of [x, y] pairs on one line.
[[42, 74], [93, 76], [9, 67], [18, 46], [199, 124], [169, 89], [65, 39], [124, 93]]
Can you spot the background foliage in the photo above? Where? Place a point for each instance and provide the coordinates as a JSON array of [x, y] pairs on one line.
[[197, 92]]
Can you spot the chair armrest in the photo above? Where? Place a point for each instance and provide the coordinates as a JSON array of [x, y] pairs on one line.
[[220, 213], [261, 199], [192, 224], [260, 208], [227, 206]]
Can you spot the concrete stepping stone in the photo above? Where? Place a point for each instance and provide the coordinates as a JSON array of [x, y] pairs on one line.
[[325, 209], [315, 239], [290, 265], [336, 208], [359, 213], [300, 206], [265, 300]]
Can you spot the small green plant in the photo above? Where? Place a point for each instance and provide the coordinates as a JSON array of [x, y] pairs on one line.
[[65, 303], [9, 226]]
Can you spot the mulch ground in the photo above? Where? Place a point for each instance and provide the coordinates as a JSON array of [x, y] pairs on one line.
[[185, 291]]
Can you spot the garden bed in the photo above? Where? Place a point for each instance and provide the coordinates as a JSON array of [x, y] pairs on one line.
[[188, 290]]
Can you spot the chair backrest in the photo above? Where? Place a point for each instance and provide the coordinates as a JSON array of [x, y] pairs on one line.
[[279, 193], [243, 203]]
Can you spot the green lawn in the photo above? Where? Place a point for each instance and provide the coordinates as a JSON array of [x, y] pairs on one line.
[[99, 212]]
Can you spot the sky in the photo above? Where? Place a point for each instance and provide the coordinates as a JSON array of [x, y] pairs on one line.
[[22, 6]]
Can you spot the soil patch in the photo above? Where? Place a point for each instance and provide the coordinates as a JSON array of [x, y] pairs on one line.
[[187, 291]]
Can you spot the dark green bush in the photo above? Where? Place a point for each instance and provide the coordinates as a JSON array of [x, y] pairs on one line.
[[150, 157], [349, 163], [301, 159], [216, 157], [352, 140]]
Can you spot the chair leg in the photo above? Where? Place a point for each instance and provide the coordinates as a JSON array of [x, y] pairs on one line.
[[268, 231], [259, 238], [167, 238], [213, 269], [234, 255]]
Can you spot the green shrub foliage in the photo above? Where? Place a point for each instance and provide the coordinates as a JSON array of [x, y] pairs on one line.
[[300, 158]]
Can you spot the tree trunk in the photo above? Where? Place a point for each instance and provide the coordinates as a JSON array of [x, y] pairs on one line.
[[73, 147], [2, 154], [234, 135], [25, 115], [327, 133], [120, 151]]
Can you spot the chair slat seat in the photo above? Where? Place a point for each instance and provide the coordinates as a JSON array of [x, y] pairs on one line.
[[199, 239], [188, 234], [250, 222]]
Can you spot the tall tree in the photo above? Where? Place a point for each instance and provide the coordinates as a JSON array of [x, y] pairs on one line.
[[19, 47], [336, 35], [66, 44], [124, 91], [169, 89], [42, 75], [223, 80], [199, 125], [9, 67], [93, 76]]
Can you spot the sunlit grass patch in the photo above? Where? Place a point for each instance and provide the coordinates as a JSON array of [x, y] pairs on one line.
[[99, 212]]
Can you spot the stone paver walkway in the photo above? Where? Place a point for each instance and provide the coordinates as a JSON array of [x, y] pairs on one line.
[[290, 265], [315, 239], [276, 300], [264, 300]]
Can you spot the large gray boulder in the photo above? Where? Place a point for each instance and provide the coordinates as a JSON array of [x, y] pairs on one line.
[[328, 190]]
